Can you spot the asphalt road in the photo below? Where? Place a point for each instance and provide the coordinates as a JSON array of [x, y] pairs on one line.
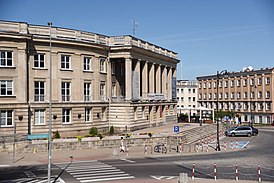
[[260, 150]]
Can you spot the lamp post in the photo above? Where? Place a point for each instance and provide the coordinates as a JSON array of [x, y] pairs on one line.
[[224, 72], [251, 103], [50, 107]]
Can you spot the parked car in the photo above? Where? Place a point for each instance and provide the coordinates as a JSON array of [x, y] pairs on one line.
[[255, 131], [240, 131]]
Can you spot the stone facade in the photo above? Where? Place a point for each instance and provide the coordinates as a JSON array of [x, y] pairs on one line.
[[97, 81], [248, 93]]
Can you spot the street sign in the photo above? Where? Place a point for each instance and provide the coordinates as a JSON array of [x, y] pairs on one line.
[[176, 129]]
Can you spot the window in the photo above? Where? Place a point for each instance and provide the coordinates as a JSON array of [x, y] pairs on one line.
[[6, 88], [104, 110], [245, 106], [182, 99], [226, 95], [232, 95], [200, 96], [189, 99], [102, 91], [65, 91], [267, 94], [6, 118], [6, 59], [209, 96], [66, 116], [204, 84], [143, 112], [214, 84], [232, 83], [113, 68], [253, 106], [88, 115], [239, 82], [252, 81], [193, 99], [113, 90], [260, 95], [239, 95], [189, 90], [87, 92], [87, 64], [65, 62], [193, 90], [226, 84], [215, 95], [39, 61], [102, 65], [220, 95], [260, 106], [220, 84], [178, 90], [135, 113], [209, 86], [267, 107], [39, 117], [199, 85], [245, 94], [252, 95], [245, 82], [204, 95], [259, 81], [182, 90], [39, 91], [267, 80]]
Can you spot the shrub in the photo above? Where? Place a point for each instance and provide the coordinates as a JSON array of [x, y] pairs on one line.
[[100, 135], [93, 132], [149, 134], [79, 138], [111, 130], [56, 135]]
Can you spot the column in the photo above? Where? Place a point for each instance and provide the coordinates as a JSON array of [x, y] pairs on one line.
[[164, 79], [157, 77], [136, 81], [128, 78], [144, 80], [151, 79], [169, 90]]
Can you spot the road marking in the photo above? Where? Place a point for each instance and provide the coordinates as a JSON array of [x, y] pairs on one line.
[[127, 160], [162, 177], [30, 174], [4, 165]]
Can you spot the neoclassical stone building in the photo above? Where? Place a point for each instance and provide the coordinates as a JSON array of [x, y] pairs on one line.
[[98, 81]]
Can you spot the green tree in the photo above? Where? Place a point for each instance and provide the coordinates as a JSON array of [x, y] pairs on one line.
[[111, 130], [93, 132], [56, 135]]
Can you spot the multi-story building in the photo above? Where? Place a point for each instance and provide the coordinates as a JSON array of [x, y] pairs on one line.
[[98, 81], [248, 93], [187, 92]]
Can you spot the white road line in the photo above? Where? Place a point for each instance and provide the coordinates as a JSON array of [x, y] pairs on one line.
[[103, 176], [97, 174], [97, 171], [127, 160], [91, 169], [107, 179]]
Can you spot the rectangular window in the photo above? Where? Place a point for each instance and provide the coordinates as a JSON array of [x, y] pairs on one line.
[[259, 81], [226, 84], [6, 59], [66, 113], [65, 61], [39, 61], [104, 110], [87, 92], [143, 112], [267, 80], [193, 99], [239, 95], [267, 107], [238, 82], [252, 95], [88, 114], [232, 83], [260, 95], [267, 94], [6, 118], [87, 64], [113, 90], [102, 91], [189, 99], [245, 94], [189, 90], [245, 82], [135, 113], [204, 84], [6, 88], [232, 95], [65, 91], [39, 117], [226, 95], [252, 81], [102, 65], [39, 91]]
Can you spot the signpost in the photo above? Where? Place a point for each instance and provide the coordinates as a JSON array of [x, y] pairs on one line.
[[176, 129]]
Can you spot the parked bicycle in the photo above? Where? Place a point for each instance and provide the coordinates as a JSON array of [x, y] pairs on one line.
[[160, 148]]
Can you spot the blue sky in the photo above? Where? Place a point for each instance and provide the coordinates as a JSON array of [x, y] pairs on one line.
[[208, 35]]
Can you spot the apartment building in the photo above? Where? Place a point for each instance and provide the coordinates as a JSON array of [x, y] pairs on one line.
[[97, 81], [249, 93], [187, 94]]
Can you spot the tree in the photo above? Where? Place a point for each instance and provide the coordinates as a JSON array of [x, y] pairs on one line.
[[111, 130], [93, 132]]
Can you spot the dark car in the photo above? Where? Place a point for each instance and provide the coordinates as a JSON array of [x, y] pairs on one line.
[[255, 131]]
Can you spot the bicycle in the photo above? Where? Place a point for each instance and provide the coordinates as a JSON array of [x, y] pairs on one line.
[[160, 148]]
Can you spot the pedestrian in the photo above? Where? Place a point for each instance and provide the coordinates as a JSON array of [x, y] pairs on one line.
[[122, 147]]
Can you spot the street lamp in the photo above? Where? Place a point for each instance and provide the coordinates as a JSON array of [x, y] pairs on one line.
[[224, 72], [251, 103], [50, 107]]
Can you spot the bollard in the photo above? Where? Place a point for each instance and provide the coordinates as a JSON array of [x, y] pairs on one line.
[[127, 150], [215, 171], [183, 178], [259, 173], [193, 171], [237, 175], [206, 147], [231, 144], [197, 148], [145, 149], [225, 145], [236, 143]]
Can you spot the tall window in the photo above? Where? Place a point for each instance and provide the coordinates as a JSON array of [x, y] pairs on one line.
[[39, 117], [6, 59], [143, 112], [267, 80], [245, 94], [259, 81], [239, 95], [65, 61], [232, 95], [87, 64], [6, 118], [245, 82], [39, 91], [232, 83], [66, 113], [239, 82], [267, 94], [87, 92], [113, 68], [65, 91], [252, 81], [102, 64], [88, 114], [260, 94], [39, 61], [5, 87], [102, 90], [268, 106], [252, 95], [113, 90]]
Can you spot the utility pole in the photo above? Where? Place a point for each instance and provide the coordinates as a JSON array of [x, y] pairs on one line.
[[135, 24]]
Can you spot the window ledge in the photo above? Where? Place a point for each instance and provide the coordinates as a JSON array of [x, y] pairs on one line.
[[7, 67], [7, 96], [89, 71], [39, 68], [66, 69]]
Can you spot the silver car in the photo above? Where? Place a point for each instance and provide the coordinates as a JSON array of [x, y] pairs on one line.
[[239, 131]]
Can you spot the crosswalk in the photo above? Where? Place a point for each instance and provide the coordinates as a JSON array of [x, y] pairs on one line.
[[33, 180], [94, 171]]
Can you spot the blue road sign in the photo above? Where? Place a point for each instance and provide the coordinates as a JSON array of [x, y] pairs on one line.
[[176, 129]]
